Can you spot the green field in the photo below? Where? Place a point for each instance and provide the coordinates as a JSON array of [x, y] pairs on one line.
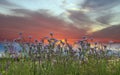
[[59, 65]]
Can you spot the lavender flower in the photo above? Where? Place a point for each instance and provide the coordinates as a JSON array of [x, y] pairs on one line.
[[36, 41], [51, 34], [46, 37], [20, 33], [105, 46], [91, 38], [85, 38], [95, 43]]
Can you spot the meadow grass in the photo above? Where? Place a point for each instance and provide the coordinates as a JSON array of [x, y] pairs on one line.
[[62, 66]]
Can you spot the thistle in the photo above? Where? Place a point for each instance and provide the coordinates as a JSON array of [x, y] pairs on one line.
[[51, 34]]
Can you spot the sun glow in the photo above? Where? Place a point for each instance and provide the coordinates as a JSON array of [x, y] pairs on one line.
[[95, 28]]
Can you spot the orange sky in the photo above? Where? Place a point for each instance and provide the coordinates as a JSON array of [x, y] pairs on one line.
[[69, 19]]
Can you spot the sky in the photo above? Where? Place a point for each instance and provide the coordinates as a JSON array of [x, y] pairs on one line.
[[69, 19]]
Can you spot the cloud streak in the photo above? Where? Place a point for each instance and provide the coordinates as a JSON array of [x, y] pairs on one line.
[[80, 19], [6, 3], [105, 19], [100, 4], [112, 32]]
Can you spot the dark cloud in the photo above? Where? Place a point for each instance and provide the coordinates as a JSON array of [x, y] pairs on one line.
[[100, 4], [105, 19], [30, 13], [109, 18], [6, 3], [80, 18], [112, 32]]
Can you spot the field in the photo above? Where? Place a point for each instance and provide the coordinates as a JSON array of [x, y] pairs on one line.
[[60, 66], [58, 58]]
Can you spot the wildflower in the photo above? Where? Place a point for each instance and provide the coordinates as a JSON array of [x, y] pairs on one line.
[[51, 34], [20, 33], [14, 40], [40, 43], [80, 42], [49, 40], [55, 40], [46, 37], [91, 38], [85, 38], [36, 41], [96, 43], [105, 46], [42, 40]]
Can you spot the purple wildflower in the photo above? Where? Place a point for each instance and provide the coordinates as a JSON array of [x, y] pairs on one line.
[[51, 34], [20, 33]]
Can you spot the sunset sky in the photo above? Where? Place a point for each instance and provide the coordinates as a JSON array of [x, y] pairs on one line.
[[65, 18]]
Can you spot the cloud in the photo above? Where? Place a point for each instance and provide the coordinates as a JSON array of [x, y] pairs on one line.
[[80, 19], [105, 19], [100, 4], [38, 24], [73, 23], [112, 32], [109, 18], [32, 13], [6, 3]]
